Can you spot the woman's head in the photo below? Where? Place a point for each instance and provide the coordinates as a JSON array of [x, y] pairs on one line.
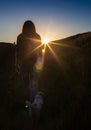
[[28, 27]]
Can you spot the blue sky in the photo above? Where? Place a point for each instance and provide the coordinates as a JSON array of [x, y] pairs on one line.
[[54, 19]]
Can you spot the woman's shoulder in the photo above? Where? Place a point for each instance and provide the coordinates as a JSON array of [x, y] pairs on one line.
[[20, 35], [38, 36]]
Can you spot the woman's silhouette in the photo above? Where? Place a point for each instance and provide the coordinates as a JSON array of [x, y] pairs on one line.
[[27, 53]]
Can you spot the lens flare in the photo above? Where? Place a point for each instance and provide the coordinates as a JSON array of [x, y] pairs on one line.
[[43, 50], [45, 41]]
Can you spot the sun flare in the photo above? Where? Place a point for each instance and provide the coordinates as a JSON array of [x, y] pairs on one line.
[[45, 41]]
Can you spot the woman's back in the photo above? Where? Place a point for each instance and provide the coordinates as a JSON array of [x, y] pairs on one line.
[[27, 42]]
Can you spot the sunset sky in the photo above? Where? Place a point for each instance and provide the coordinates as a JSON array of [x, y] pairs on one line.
[[54, 19]]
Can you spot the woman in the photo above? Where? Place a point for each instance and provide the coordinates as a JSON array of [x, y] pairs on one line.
[[28, 51]]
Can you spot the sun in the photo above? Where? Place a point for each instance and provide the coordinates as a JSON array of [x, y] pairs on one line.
[[45, 41]]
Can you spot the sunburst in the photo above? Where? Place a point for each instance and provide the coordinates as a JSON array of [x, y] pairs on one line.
[[46, 43]]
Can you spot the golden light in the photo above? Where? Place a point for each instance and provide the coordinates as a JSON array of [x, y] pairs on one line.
[[43, 50], [45, 41], [39, 64]]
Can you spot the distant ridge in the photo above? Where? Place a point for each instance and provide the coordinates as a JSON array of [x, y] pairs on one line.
[[6, 43], [85, 34], [81, 39]]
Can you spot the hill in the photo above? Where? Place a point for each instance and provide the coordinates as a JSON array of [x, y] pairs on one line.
[[65, 80]]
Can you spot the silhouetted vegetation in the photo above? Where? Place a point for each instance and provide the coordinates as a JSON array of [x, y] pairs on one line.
[[65, 83]]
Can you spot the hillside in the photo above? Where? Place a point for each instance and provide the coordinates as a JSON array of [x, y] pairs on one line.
[[65, 81]]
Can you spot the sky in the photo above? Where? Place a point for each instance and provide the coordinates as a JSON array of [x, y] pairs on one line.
[[53, 19]]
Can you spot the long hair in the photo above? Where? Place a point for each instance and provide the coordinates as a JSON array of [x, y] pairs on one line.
[[28, 27]]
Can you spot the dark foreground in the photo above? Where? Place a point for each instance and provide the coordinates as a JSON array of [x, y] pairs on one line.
[[66, 86]]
